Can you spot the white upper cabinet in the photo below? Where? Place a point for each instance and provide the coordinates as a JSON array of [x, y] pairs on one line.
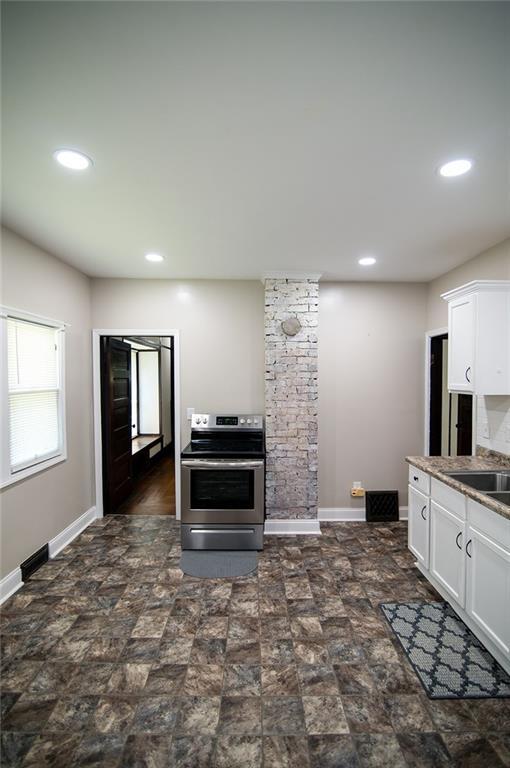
[[479, 337], [461, 337]]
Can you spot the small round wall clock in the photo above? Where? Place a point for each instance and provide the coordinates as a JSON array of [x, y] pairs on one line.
[[291, 326]]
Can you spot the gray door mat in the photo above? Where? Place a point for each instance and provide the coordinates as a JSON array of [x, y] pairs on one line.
[[212, 564]]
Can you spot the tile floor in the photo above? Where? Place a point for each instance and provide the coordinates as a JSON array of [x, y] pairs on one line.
[[112, 658]]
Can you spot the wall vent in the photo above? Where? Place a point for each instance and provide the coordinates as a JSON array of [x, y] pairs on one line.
[[34, 562], [381, 506]]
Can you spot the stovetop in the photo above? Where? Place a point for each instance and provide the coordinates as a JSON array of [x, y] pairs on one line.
[[229, 448], [226, 436]]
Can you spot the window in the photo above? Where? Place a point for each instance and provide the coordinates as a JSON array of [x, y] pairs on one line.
[[33, 407]]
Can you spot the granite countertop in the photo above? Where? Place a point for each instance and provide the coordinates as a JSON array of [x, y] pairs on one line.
[[436, 466]]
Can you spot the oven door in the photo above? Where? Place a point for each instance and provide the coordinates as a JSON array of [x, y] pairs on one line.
[[224, 491]]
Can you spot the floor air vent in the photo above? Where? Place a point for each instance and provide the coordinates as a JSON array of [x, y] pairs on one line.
[[381, 506]]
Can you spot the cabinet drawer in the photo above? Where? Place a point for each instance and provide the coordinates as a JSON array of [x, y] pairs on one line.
[[448, 498], [489, 522], [419, 480]]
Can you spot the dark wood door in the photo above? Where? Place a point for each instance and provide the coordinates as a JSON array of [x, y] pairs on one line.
[[116, 422], [436, 394], [465, 425]]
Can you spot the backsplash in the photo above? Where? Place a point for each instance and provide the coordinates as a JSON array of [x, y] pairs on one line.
[[493, 423]]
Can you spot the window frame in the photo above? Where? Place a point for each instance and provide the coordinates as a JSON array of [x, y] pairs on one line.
[[8, 476]]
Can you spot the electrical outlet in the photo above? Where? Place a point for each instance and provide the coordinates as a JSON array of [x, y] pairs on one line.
[[356, 484], [507, 438], [189, 413], [485, 430], [357, 492]]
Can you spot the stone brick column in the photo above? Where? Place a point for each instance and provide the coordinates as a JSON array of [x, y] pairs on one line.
[[291, 399]]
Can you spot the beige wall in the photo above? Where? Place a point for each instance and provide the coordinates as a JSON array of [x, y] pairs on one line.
[[221, 324], [493, 264], [371, 353], [34, 510]]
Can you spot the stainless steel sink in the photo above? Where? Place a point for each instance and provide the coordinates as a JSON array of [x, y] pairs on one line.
[[502, 496], [486, 482]]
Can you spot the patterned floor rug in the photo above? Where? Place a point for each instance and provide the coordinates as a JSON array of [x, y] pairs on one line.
[[449, 660]]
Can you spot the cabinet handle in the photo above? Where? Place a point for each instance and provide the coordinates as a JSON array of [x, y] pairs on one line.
[[468, 553], [415, 478], [457, 540], [466, 374], [423, 512]]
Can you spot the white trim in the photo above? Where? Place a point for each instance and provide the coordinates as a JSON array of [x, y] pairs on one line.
[[65, 537], [96, 383], [429, 335], [290, 527], [10, 584], [22, 314], [475, 285], [350, 514], [291, 276]]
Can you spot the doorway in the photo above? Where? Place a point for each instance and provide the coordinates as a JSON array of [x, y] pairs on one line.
[[449, 415], [136, 422], [137, 425]]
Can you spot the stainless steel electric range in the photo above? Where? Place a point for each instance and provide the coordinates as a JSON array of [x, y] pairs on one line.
[[222, 483]]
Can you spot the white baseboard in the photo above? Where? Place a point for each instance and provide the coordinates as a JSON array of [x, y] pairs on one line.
[[290, 527], [10, 584], [350, 514], [66, 536]]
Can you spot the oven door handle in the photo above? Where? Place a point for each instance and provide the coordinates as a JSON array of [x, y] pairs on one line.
[[206, 464]]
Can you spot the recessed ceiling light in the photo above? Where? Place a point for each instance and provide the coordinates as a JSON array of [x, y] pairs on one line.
[[367, 261], [154, 257], [456, 168], [72, 159]]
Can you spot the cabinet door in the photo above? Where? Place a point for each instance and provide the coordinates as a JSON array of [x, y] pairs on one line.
[[461, 344], [418, 531], [447, 556], [488, 587]]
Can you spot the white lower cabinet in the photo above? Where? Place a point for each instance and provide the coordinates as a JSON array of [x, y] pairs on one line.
[[419, 525], [447, 557], [463, 548], [488, 587]]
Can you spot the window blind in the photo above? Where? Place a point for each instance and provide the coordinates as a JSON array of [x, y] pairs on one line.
[[34, 393]]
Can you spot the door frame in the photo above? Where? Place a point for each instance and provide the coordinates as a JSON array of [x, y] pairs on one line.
[[429, 335], [96, 384]]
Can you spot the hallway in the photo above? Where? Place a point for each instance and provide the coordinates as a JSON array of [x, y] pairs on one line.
[[153, 493]]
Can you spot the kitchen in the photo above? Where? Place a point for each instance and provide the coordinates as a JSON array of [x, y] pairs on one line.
[[111, 655]]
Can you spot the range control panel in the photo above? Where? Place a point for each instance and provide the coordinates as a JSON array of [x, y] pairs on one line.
[[226, 421]]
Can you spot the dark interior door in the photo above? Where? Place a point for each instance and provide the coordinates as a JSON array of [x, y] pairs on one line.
[[116, 422], [436, 394], [464, 425]]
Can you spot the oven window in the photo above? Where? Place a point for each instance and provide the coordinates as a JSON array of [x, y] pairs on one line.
[[221, 489]]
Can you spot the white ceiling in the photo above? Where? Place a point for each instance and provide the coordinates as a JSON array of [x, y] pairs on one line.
[[242, 138]]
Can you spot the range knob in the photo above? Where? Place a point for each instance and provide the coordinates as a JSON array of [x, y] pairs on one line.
[[248, 421], [198, 420], [255, 421], [242, 421], [205, 421]]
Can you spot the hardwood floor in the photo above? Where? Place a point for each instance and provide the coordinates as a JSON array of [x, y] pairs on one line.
[[154, 493]]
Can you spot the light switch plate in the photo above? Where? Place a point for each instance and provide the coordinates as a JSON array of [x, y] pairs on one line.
[[189, 413]]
